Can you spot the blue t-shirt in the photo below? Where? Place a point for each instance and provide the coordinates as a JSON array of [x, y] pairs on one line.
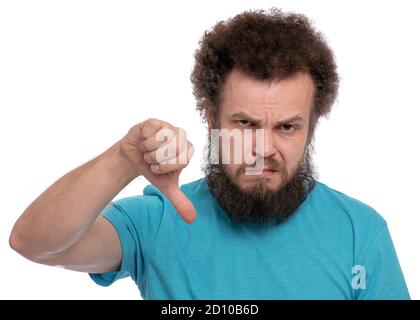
[[332, 247]]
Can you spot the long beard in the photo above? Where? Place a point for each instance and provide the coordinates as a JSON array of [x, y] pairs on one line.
[[260, 204]]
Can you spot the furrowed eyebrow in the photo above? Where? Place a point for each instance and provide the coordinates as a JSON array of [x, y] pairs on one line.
[[257, 121]]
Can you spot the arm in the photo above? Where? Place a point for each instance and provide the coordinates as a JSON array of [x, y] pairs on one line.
[[63, 225]]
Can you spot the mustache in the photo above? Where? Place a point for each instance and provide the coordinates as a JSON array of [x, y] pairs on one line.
[[269, 163]]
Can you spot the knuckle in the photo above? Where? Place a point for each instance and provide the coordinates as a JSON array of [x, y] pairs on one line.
[[165, 134], [169, 148], [146, 145], [152, 122], [165, 152], [182, 132]]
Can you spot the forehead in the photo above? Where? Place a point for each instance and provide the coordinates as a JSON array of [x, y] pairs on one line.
[[244, 93]]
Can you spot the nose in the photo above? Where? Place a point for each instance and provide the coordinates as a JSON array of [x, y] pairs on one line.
[[265, 148]]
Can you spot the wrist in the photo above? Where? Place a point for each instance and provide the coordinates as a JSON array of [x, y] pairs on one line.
[[118, 166]]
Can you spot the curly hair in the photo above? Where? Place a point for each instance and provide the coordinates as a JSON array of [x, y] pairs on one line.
[[267, 45]]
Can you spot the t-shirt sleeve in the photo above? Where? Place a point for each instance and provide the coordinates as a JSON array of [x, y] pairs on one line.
[[136, 220], [384, 279]]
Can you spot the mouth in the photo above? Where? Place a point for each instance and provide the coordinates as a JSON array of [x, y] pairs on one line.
[[265, 172]]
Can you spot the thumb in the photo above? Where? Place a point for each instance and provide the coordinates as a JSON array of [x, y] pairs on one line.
[[181, 203]]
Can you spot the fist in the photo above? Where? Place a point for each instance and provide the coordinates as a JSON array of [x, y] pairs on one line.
[[159, 151]]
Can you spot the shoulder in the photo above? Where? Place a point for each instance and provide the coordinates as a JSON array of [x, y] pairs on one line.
[[344, 216], [357, 211], [138, 203], [139, 213]]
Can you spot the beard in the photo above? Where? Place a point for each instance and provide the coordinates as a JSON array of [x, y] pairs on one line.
[[259, 203]]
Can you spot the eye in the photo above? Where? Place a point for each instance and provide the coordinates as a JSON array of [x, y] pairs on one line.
[[245, 123], [288, 127]]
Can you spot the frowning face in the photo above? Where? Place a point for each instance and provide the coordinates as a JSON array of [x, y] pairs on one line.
[[283, 110]]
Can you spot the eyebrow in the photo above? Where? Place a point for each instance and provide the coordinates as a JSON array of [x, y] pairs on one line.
[[258, 122]]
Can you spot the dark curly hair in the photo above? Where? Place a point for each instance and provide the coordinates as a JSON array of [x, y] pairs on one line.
[[267, 45]]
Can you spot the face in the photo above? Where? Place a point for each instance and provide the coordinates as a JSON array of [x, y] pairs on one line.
[[283, 110]]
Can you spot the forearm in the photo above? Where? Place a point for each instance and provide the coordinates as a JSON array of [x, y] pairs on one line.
[[61, 215]]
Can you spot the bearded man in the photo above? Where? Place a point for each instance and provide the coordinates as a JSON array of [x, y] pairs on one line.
[[261, 227]]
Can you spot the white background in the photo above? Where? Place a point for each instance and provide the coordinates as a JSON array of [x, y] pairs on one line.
[[76, 75]]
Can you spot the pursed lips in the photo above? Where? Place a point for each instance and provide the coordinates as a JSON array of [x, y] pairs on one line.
[[265, 171]]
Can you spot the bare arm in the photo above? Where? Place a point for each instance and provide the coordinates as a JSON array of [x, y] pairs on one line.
[[63, 221], [63, 225]]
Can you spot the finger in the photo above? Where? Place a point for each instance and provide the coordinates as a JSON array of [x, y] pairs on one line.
[[158, 139], [163, 157], [163, 168], [149, 127], [181, 203], [186, 154], [167, 152]]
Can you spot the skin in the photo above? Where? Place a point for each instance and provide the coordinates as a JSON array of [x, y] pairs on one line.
[[252, 104], [63, 226]]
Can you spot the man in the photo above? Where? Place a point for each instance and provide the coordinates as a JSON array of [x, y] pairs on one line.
[[271, 233]]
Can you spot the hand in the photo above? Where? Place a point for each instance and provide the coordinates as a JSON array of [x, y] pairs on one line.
[[159, 151]]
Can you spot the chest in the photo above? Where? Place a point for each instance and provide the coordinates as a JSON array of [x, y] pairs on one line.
[[252, 265]]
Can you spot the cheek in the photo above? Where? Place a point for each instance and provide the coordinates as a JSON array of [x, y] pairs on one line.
[[292, 154]]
